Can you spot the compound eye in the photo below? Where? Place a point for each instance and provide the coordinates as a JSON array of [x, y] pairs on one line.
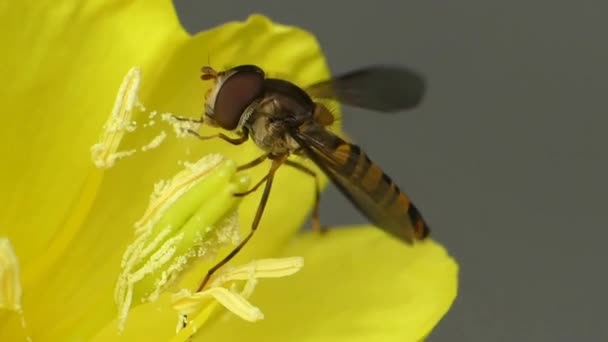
[[242, 86]]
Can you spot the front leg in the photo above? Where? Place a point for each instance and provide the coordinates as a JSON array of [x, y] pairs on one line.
[[243, 135], [184, 118], [234, 141]]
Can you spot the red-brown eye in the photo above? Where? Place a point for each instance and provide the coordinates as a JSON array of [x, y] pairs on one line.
[[244, 84]]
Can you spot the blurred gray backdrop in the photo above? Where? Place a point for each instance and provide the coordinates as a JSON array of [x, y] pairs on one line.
[[506, 157]]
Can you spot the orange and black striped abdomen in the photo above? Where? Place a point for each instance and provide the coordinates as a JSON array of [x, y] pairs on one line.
[[380, 187], [364, 183]]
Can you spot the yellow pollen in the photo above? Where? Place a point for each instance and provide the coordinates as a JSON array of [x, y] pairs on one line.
[[181, 127], [156, 141]]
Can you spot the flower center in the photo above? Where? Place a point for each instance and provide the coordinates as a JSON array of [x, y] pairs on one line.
[[189, 218]]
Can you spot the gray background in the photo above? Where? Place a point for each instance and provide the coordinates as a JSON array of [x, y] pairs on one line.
[[506, 157]]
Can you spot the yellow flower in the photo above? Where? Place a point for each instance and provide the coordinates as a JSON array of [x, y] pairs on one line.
[[69, 223]]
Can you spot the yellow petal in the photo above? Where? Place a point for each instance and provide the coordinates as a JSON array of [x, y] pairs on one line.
[[357, 285], [62, 62]]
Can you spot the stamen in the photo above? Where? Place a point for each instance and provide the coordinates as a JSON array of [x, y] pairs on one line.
[[105, 153], [10, 290], [200, 303], [264, 268], [187, 303], [189, 217], [10, 282]]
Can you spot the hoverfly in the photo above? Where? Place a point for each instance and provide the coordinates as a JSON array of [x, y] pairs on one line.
[[284, 119]]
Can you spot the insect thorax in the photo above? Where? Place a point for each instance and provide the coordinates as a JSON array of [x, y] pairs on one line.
[[273, 118]]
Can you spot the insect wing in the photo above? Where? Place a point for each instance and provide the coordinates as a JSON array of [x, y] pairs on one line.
[[382, 88], [363, 183]]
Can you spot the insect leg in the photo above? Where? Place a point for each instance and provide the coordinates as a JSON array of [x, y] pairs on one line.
[[276, 163], [315, 218], [233, 141], [183, 118], [254, 188], [257, 161], [249, 165]]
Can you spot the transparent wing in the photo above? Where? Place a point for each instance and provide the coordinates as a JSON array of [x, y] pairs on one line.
[[384, 88]]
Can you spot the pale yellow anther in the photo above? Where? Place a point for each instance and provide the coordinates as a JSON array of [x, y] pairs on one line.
[[189, 217], [105, 152], [200, 304], [187, 303], [263, 268], [10, 282]]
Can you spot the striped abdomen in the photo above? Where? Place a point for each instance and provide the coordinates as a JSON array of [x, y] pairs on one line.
[[364, 183]]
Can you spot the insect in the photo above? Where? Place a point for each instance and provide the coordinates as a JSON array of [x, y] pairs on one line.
[[284, 119]]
